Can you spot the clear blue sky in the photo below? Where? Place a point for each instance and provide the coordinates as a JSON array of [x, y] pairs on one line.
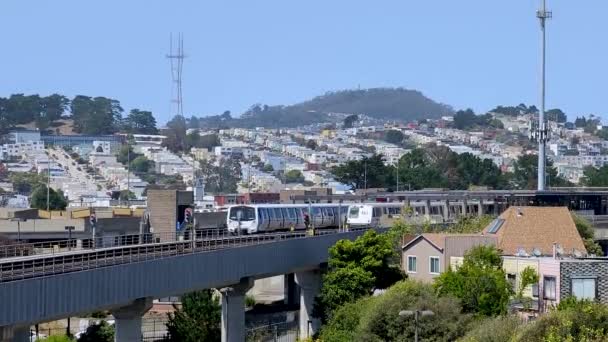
[[468, 53]]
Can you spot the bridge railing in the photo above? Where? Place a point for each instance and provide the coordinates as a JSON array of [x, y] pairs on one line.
[[46, 265]]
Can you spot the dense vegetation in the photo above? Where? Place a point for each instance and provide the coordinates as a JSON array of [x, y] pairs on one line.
[[356, 269], [438, 167], [90, 115], [197, 319], [382, 103]]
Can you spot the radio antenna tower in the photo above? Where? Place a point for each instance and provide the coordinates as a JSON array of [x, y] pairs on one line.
[[542, 133], [176, 57]]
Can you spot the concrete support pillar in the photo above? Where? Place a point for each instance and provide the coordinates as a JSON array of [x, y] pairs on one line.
[[465, 208], [6, 334], [310, 284], [14, 334], [233, 311], [446, 211], [292, 293], [128, 320], [427, 207], [21, 334], [480, 208]]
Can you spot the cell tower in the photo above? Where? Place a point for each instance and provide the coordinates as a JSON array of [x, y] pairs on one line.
[[176, 57], [542, 133]]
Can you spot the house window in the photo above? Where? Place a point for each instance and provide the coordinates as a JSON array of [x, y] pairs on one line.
[[549, 287], [512, 279], [583, 288], [434, 265], [535, 290], [411, 264]]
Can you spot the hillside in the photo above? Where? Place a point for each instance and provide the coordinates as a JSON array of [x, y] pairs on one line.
[[381, 103]]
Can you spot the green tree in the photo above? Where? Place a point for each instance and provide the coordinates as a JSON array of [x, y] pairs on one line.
[[587, 233], [465, 119], [140, 122], [126, 154], [142, 164], [176, 134], [52, 108], [369, 171], [268, 168], [350, 120], [311, 144], [557, 115], [126, 195], [57, 199], [480, 282], [583, 322], [95, 116], [102, 332], [198, 318], [377, 318], [223, 177], [294, 176], [525, 171], [494, 329], [593, 176], [394, 137], [356, 268], [26, 182], [208, 141]]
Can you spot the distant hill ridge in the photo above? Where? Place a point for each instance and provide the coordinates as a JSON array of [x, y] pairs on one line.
[[382, 103]]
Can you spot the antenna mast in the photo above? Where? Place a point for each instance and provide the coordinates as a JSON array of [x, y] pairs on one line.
[[176, 57], [542, 133]]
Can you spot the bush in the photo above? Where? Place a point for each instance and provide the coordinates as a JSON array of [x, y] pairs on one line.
[[56, 338], [377, 318], [102, 332], [583, 321], [498, 329]]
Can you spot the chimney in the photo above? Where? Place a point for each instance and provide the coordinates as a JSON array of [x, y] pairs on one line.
[[555, 250]]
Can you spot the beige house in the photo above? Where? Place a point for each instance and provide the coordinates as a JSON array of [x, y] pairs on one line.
[[535, 231], [425, 256]]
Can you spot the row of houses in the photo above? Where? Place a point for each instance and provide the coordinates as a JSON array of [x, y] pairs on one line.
[[543, 238]]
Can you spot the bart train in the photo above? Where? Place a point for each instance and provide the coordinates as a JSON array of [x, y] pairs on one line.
[[257, 218]]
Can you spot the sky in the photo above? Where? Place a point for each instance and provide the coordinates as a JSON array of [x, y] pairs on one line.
[[466, 53]]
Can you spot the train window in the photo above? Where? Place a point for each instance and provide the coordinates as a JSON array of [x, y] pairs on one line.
[[284, 211], [260, 214], [316, 211], [354, 212], [270, 214], [329, 212], [292, 213], [264, 213], [277, 213], [377, 212], [242, 213]]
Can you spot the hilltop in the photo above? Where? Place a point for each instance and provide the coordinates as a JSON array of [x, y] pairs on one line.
[[381, 103]]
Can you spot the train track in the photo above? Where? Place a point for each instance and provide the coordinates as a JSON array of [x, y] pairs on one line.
[[36, 266]]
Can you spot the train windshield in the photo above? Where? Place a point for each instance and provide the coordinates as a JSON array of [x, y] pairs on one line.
[[242, 214], [354, 212]]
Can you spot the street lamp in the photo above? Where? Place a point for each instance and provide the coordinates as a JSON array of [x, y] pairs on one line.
[[69, 229], [18, 220], [417, 314]]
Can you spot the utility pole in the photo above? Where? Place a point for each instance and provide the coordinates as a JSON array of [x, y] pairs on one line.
[[48, 184], [542, 134]]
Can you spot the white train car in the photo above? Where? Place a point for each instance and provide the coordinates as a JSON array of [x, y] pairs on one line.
[[384, 214], [254, 218]]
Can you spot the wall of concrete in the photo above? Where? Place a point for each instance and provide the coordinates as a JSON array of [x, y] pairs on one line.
[[162, 205], [44, 299], [42, 225]]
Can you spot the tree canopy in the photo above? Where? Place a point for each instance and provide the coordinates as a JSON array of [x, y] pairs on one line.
[[57, 200], [356, 268], [222, 177], [350, 120], [480, 282], [102, 332], [294, 176], [525, 171], [394, 137], [140, 122], [198, 318], [97, 115], [377, 318]]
